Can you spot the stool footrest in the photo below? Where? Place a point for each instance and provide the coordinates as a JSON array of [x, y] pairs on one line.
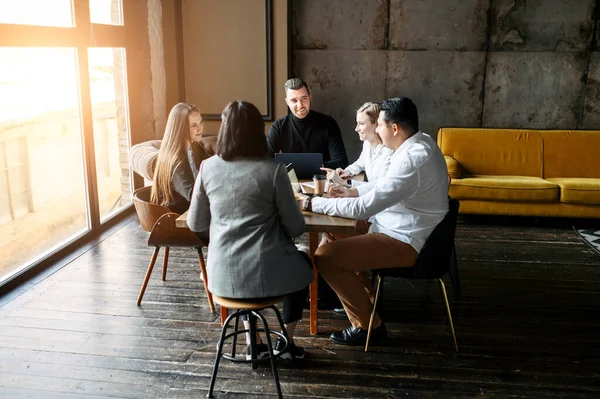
[[240, 360]]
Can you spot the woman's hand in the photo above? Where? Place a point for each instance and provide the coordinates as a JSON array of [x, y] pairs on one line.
[[339, 191]]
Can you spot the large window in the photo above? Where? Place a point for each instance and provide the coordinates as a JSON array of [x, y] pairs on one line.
[[64, 125], [111, 132]]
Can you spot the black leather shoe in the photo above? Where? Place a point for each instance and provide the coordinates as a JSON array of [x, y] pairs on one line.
[[357, 336], [340, 311], [329, 303]]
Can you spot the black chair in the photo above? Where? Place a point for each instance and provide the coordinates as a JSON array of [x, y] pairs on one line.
[[437, 257]]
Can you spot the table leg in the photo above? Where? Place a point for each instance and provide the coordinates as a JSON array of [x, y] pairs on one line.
[[313, 242]]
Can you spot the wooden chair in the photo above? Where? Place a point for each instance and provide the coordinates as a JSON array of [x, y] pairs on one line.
[[437, 257], [160, 222]]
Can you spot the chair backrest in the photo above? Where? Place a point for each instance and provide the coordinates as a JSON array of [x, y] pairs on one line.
[[435, 256], [161, 223], [142, 156], [147, 212]]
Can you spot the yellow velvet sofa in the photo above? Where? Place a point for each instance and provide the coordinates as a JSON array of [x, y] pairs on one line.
[[524, 172]]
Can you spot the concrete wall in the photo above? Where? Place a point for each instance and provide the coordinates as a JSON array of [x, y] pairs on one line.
[[465, 63]]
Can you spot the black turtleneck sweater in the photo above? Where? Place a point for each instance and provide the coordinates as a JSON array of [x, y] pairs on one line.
[[316, 132]]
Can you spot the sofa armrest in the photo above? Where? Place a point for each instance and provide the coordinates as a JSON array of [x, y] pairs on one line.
[[142, 158], [454, 168]]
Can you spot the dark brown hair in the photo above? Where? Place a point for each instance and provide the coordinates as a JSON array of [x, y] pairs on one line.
[[242, 132], [295, 84], [403, 112]]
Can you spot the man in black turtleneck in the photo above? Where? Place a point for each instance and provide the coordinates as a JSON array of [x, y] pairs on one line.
[[305, 130]]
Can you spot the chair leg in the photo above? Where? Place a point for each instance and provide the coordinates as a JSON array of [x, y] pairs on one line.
[[205, 278], [453, 272], [165, 262], [147, 276], [379, 281], [237, 323], [213, 378], [271, 356], [252, 332], [447, 305]]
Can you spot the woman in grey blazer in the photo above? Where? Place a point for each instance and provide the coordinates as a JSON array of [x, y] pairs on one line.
[[247, 202]]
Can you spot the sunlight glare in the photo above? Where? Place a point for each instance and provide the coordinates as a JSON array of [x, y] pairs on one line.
[[37, 12]]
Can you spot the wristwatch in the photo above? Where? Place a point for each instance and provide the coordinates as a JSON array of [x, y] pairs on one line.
[[307, 203], [349, 182]]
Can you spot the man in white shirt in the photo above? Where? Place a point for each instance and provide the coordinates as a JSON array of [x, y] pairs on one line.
[[404, 207]]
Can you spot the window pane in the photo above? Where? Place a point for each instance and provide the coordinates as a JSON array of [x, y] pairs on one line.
[[37, 12], [111, 128], [108, 12], [43, 196]]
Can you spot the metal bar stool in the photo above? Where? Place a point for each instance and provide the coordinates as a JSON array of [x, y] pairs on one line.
[[251, 308]]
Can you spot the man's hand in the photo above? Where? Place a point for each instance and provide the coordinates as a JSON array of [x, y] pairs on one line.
[[337, 176], [339, 191], [343, 174], [300, 198]]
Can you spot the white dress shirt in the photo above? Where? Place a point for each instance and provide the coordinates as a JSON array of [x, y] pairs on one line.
[[373, 162], [408, 202]]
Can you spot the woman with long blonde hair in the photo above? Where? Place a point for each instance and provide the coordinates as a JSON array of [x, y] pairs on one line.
[[179, 158]]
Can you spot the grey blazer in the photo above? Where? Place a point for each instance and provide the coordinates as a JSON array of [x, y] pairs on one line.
[[249, 206]]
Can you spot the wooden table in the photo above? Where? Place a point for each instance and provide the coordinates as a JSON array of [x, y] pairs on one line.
[[315, 224]]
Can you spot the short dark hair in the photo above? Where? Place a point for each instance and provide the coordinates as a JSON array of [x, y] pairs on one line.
[[242, 132], [403, 112], [295, 84]]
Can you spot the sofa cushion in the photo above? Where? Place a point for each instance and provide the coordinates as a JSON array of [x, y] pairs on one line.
[[578, 190], [500, 152], [571, 153], [504, 188]]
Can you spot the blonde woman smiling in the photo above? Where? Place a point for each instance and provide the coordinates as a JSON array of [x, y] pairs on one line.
[[374, 159]]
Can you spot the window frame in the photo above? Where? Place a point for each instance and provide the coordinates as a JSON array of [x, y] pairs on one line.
[[82, 36]]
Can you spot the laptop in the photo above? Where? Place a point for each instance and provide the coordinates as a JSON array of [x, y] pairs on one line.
[[293, 179], [306, 165]]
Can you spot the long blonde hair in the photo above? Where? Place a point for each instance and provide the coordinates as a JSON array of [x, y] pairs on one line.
[[372, 111], [172, 153]]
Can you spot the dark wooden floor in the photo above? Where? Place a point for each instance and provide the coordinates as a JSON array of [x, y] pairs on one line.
[[527, 326]]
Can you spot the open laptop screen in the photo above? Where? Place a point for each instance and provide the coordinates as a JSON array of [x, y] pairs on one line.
[[306, 164], [293, 179]]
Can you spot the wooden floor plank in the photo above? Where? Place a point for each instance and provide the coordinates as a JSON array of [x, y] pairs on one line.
[[526, 325], [27, 393], [56, 385]]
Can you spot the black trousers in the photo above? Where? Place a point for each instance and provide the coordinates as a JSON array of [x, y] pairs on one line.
[[293, 303]]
